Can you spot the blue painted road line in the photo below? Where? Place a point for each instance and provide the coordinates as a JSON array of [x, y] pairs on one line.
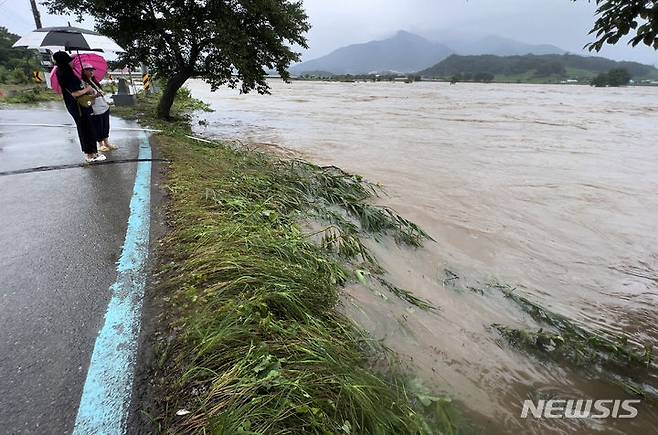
[[108, 387]]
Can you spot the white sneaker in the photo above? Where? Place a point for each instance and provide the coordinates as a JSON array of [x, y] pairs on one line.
[[97, 158]]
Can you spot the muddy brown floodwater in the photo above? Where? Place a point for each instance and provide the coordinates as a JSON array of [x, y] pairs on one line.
[[553, 189]]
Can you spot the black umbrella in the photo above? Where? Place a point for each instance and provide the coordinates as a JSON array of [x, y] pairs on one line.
[[68, 38]]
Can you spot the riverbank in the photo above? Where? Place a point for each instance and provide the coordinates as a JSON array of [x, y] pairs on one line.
[[250, 340], [521, 185]]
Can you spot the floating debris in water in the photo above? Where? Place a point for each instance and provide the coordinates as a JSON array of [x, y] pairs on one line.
[[406, 295], [450, 277]]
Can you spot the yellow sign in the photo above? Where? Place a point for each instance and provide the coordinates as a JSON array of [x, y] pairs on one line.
[[146, 80], [38, 76]]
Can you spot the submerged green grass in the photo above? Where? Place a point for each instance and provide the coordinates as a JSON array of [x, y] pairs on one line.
[[560, 339], [563, 341], [255, 343]]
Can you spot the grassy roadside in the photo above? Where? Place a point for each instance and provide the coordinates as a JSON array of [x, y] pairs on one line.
[[26, 94], [253, 342]]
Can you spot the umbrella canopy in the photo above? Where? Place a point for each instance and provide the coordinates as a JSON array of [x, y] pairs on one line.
[[79, 60], [68, 38]]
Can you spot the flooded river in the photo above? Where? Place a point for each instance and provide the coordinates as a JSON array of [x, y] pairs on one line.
[[552, 189]]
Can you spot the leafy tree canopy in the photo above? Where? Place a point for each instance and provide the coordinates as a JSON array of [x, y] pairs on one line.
[[618, 18], [618, 77], [16, 64], [224, 42], [9, 56]]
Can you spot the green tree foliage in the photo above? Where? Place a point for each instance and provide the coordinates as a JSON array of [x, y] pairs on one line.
[[615, 77], [619, 18], [14, 76], [16, 64], [8, 54], [600, 81], [618, 77], [483, 77], [224, 42], [17, 76], [551, 67]]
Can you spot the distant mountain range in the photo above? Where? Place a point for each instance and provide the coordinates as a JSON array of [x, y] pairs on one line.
[[406, 52]]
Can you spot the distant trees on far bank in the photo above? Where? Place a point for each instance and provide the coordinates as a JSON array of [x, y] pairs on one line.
[[384, 77], [480, 77], [613, 78]]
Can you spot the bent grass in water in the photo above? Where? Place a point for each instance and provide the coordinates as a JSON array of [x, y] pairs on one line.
[[614, 358], [256, 343], [561, 340]]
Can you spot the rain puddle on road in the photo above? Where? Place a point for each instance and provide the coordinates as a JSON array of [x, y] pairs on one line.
[[550, 189]]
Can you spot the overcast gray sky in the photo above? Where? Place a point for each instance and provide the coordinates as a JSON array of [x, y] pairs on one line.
[[341, 22]]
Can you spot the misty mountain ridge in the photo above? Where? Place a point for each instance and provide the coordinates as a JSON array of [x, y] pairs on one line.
[[406, 52], [500, 46]]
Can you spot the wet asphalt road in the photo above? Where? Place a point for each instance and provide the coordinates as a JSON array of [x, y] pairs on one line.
[[61, 232]]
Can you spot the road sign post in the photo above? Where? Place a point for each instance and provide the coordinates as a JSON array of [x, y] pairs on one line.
[[38, 76], [146, 81]]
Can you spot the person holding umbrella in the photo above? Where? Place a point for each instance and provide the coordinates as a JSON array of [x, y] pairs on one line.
[[100, 108], [72, 89], [72, 39]]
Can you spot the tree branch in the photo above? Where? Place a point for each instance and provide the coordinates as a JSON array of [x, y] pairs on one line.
[[167, 38]]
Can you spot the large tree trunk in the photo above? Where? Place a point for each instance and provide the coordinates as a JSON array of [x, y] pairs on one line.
[[174, 83]]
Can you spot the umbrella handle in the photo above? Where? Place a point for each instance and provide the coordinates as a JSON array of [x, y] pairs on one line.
[[82, 71]]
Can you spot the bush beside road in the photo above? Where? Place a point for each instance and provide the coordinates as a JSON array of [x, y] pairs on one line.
[[26, 94]]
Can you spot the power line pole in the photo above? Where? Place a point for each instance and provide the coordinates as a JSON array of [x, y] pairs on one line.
[[35, 12]]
